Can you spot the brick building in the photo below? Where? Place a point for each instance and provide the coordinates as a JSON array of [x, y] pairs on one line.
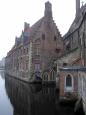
[[36, 49], [68, 83], [75, 49], [39, 50]]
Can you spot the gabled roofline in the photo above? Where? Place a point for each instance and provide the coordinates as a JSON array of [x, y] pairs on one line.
[[69, 33]]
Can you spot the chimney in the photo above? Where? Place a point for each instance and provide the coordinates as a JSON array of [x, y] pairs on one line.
[[77, 7], [48, 10]]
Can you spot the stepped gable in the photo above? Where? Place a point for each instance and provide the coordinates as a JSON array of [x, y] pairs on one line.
[[29, 33], [59, 34], [77, 21], [47, 19], [35, 27]]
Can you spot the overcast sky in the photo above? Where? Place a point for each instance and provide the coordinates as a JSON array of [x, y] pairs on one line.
[[13, 14]]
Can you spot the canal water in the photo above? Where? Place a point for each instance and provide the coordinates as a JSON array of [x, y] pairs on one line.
[[19, 98]]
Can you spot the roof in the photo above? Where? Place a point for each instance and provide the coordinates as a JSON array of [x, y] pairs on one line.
[[30, 33], [77, 21], [73, 68], [26, 35], [36, 27]]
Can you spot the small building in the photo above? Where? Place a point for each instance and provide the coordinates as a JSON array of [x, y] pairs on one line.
[[68, 84], [36, 49], [73, 84]]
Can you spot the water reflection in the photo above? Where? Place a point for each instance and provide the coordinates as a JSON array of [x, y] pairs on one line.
[[5, 106], [2, 74], [34, 99]]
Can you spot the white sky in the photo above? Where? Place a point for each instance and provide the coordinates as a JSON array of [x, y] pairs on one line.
[[13, 14]]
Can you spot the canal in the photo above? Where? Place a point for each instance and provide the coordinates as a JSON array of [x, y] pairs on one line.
[[19, 98]]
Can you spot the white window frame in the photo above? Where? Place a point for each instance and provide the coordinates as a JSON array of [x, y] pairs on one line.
[[69, 89]]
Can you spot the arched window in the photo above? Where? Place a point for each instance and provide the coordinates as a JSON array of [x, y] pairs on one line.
[[52, 75], [45, 77], [69, 83]]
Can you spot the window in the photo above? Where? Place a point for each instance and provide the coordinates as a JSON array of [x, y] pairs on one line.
[[24, 50], [26, 65], [81, 41], [43, 36], [37, 67], [21, 51], [27, 50], [45, 76], [55, 68], [38, 51], [69, 83], [64, 64], [55, 38], [57, 50], [52, 75]]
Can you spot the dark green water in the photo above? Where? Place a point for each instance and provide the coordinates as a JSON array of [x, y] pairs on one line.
[[18, 98]]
